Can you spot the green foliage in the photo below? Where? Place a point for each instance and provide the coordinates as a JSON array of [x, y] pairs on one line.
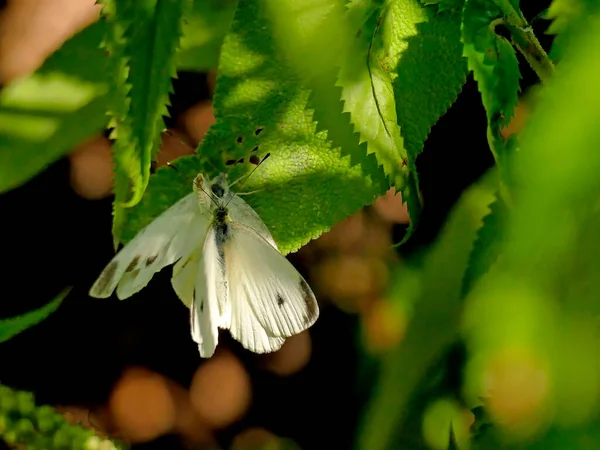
[[487, 245], [445, 5], [23, 423], [142, 44], [422, 52], [434, 305], [493, 61], [203, 33], [44, 115], [307, 185], [15, 325], [530, 315], [343, 96], [567, 16]]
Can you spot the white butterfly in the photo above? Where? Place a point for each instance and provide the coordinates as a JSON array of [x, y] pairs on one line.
[[228, 270]]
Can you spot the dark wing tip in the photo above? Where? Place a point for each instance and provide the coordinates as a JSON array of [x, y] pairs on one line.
[[104, 280], [312, 307]]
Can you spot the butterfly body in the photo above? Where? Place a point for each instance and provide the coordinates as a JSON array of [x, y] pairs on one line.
[[228, 270]]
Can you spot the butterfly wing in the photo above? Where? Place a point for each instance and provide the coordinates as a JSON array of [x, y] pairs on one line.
[[200, 280], [242, 212], [246, 329], [263, 282], [161, 243]]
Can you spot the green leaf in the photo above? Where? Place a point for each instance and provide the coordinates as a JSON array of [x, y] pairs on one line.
[[422, 52], [567, 17], [435, 307], [9, 328], [495, 67], [203, 33], [493, 61], [306, 186], [445, 5], [317, 41], [45, 115], [369, 98], [142, 42], [486, 247]]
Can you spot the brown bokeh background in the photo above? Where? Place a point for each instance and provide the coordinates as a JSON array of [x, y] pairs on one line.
[[129, 369]]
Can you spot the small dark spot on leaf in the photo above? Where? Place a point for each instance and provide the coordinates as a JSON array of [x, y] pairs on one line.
[[241, 160], [151, 259], [258, 131], [255, 148], [133, 264], [239, 139], [230, 162], [280, 300], [254, 160], [202, 305]]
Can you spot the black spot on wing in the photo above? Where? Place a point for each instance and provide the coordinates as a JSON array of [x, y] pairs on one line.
[[312, 309], [258, 131], [254, 160], [151, 259], [239, 139], [107, 275], [230, 162], [133, 264], [280, 300], [201, 305]]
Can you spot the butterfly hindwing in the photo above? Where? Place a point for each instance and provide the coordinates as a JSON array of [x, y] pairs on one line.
[[261, 277], [159, 244], [209, 309], [247, 330]]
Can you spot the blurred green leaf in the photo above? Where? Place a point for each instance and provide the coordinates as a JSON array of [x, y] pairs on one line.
[[539, 307], [567, 17], [45, 115], [487, 245], [435, 320], [203, 32], [15, 325]]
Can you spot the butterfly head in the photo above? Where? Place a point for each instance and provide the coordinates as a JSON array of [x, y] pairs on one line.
[[219, 186]]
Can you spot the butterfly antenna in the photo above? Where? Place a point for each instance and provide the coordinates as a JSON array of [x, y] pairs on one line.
[[187, 144], [244, 179], [170, 133]]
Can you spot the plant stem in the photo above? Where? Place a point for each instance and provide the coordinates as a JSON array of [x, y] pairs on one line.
[[526, 41]]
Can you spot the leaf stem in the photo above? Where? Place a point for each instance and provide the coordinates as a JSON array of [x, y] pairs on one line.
[[525, 40]]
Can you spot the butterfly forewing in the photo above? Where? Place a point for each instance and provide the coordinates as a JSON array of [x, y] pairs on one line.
[[153, 248]]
